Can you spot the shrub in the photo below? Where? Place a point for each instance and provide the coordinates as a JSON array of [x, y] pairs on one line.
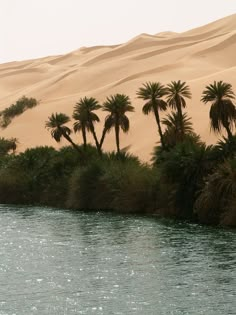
[[16, 109], [217, 198], [122, 185], [7, 145], [86, 190], [13, 186], [182, 170]]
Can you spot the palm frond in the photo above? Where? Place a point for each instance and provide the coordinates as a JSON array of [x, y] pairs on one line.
[[109, 122], [124, 123], [151, 91], [77, 126], [217, 91], [56, 120], [177, 91], [147, 108]]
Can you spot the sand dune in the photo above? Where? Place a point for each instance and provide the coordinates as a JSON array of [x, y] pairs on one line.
[[198, 56]]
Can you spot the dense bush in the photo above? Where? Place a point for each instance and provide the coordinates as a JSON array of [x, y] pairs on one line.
[[185, 182], [7, 145], [216, 202], [13, 186], [115, 183], [182, 170], [47, 172]]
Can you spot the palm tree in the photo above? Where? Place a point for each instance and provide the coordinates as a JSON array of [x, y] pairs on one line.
[[222, 112], [152, 92], [182, 172], [56, 123], [177, 91], [117, 105], [177, 131], [85, 118]]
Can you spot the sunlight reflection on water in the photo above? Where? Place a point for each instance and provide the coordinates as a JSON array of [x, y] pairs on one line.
[[63, 262]]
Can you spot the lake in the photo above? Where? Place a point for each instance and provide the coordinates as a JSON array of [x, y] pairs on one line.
[[54, 261]]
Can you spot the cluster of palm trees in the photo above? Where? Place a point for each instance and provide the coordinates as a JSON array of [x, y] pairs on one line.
[[157, 98], [116, 105], [174, 94]]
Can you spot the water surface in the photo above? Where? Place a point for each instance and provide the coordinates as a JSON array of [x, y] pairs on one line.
[[63, 262]]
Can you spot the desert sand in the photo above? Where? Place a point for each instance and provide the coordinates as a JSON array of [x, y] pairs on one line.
[[198, 56]]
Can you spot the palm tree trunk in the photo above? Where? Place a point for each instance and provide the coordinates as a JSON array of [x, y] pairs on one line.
[[159, 126], [180, 114], [117, 134], [102, 138], [181, 126], [95, 137], [84, 137], [68, 138]]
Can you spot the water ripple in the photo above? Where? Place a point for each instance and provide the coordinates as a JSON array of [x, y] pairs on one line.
[[62, 262]]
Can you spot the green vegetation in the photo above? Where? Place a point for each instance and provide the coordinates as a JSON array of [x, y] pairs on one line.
[[7, 145], [186, 178], [16, 109]]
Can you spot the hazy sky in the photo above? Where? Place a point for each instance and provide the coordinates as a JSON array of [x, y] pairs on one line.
[[36, 28]]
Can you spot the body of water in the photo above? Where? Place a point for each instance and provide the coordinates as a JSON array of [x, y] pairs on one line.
[[63, 262]]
